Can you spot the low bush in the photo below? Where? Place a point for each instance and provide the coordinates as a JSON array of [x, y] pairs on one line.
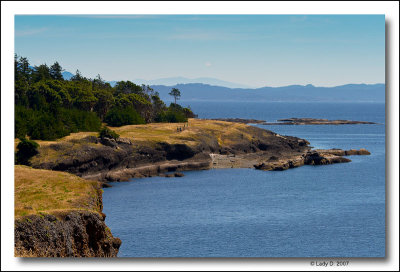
[[170, 116], [26, 150], [105, 132], [174, 114]]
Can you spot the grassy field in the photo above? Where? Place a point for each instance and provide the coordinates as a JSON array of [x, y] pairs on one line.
[[44, 191], [192, 131]]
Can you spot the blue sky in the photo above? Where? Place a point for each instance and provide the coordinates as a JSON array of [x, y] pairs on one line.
[[254, 50]]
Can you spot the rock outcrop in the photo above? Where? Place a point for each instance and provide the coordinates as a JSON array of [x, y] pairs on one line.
[[315, 121], [122, 159], [58, 214], [295, 121], [202, 145], [240, 120], [313, 157], [158, 169], [70, 234]]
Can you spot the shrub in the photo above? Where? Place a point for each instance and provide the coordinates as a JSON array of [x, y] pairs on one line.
[[188, 113], [171, 117], [105, 132], [117, 117], [175, 107], [26, 150], [174, 114]]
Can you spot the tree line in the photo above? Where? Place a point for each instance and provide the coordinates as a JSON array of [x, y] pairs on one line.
[[48, 107]]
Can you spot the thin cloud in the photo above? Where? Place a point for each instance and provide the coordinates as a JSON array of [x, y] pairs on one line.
[[298, 18], [116, 16], [30, 32], [204, 36], [193, 36], [208, 64]]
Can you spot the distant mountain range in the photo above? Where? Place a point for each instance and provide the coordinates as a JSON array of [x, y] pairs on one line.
[[211, 89], [67, 75], [171, 81], [292, 93]]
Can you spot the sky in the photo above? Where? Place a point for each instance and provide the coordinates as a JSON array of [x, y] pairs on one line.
[[253, 50]]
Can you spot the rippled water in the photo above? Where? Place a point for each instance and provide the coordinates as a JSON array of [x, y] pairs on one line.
[[325, 211]]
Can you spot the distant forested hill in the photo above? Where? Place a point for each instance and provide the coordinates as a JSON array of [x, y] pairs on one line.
[[218, 90], [308, 93]]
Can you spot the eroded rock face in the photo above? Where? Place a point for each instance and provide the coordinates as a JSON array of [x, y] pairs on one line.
[[320, 158], [315, 121], [362, 151], [295, 121], [122, 160], [280, 165], [177, 151], [72, 234], [85, 159], [313, 157], [110, 160], [153, 170], [109, 142], [340, 152], [173, 175], [126, 141]]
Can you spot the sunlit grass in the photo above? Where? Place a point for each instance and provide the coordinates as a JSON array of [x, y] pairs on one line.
[[194, 133], [49, 191], [225, 132]]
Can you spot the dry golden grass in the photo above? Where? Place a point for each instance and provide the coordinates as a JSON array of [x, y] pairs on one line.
[[52, 154], [46, 191], [72, 136], [225, 132], [197, 132]]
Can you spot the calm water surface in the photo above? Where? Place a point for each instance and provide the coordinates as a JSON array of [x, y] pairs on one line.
[[312, 211]]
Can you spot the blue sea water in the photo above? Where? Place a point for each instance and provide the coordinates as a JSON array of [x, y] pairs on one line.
[[312, 211]]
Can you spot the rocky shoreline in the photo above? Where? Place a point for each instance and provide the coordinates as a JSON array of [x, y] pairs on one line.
[[240, 120], [205, 144], [313, 157], [108, 160], [314, 121], [295, 121], [263, 161]]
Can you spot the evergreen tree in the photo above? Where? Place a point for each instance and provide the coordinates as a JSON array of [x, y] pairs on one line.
[[41, 72], [77, 77], [56, 71], [47, 107], [175, 93]]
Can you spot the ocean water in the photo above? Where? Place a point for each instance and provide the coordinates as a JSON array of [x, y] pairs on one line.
[[312, 211]]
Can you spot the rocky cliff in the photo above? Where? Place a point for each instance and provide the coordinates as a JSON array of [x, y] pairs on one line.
[[153, 149], [59, 215], [69, 234]]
